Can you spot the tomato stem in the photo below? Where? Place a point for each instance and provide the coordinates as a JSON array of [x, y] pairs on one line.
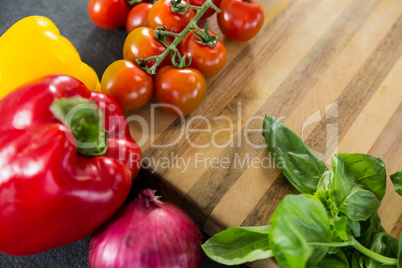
[[194, 7], [197, 28], [161, 34]]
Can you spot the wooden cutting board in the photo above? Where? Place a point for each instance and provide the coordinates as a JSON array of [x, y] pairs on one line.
[[331, 70]]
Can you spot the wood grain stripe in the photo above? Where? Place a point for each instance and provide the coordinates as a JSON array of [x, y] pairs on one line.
[[356, 94], [215, 183], [390, 141], [262, 214], [396, 231]]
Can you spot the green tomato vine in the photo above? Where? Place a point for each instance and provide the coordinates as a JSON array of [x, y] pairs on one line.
[[178, 60]]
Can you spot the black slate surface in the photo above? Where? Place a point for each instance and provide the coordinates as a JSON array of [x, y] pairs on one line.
[[98, 48]]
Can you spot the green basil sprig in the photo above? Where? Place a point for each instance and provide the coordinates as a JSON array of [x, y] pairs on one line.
[[332, 223]]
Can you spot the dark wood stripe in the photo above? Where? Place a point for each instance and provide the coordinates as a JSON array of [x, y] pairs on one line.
[[396, 231], [226, 86], [356, 94], [214, 184], [267, 205], [388, 145]]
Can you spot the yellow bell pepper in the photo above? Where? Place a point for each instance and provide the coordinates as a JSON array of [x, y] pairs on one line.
[[32, 48]]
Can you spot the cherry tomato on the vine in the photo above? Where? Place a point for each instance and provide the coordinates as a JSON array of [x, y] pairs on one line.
[[210, 11], [208, 60], [181, 90], [108, 14], [138, 16], [240, 20], [130, 86], [161, 15], [141, 43]]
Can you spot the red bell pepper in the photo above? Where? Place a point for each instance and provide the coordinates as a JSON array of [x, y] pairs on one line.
[[66, 164]]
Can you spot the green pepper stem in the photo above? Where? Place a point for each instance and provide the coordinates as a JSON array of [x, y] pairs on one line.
[[179, 37], [85, 120]]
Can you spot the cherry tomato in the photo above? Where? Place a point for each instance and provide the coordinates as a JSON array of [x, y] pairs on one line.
[[210, 11], [161, 15], [208, 60], [183, 89], [240, 20], [138, 16], [141, 43], [130, 86], [108, 14]]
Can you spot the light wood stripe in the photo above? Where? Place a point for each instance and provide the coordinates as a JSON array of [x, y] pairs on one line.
[[331, 84]]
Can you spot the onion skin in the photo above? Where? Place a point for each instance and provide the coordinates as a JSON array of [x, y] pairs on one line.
[[147, 233]]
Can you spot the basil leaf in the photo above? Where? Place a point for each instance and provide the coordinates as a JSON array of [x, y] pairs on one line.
[[360, 204], [384, 244], [326, 182], [355, 228], [237, 245], [369, 227], [337, 260], [363, 170], [295, 159], [325, 192], [357, 260], [348, 189], [396, 179], [340, 228], [298, 222]]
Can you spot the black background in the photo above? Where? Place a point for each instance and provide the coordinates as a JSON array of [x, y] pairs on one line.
[[98, 48]]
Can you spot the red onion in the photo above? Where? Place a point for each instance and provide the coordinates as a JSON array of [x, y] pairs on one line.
[[147, 233]]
